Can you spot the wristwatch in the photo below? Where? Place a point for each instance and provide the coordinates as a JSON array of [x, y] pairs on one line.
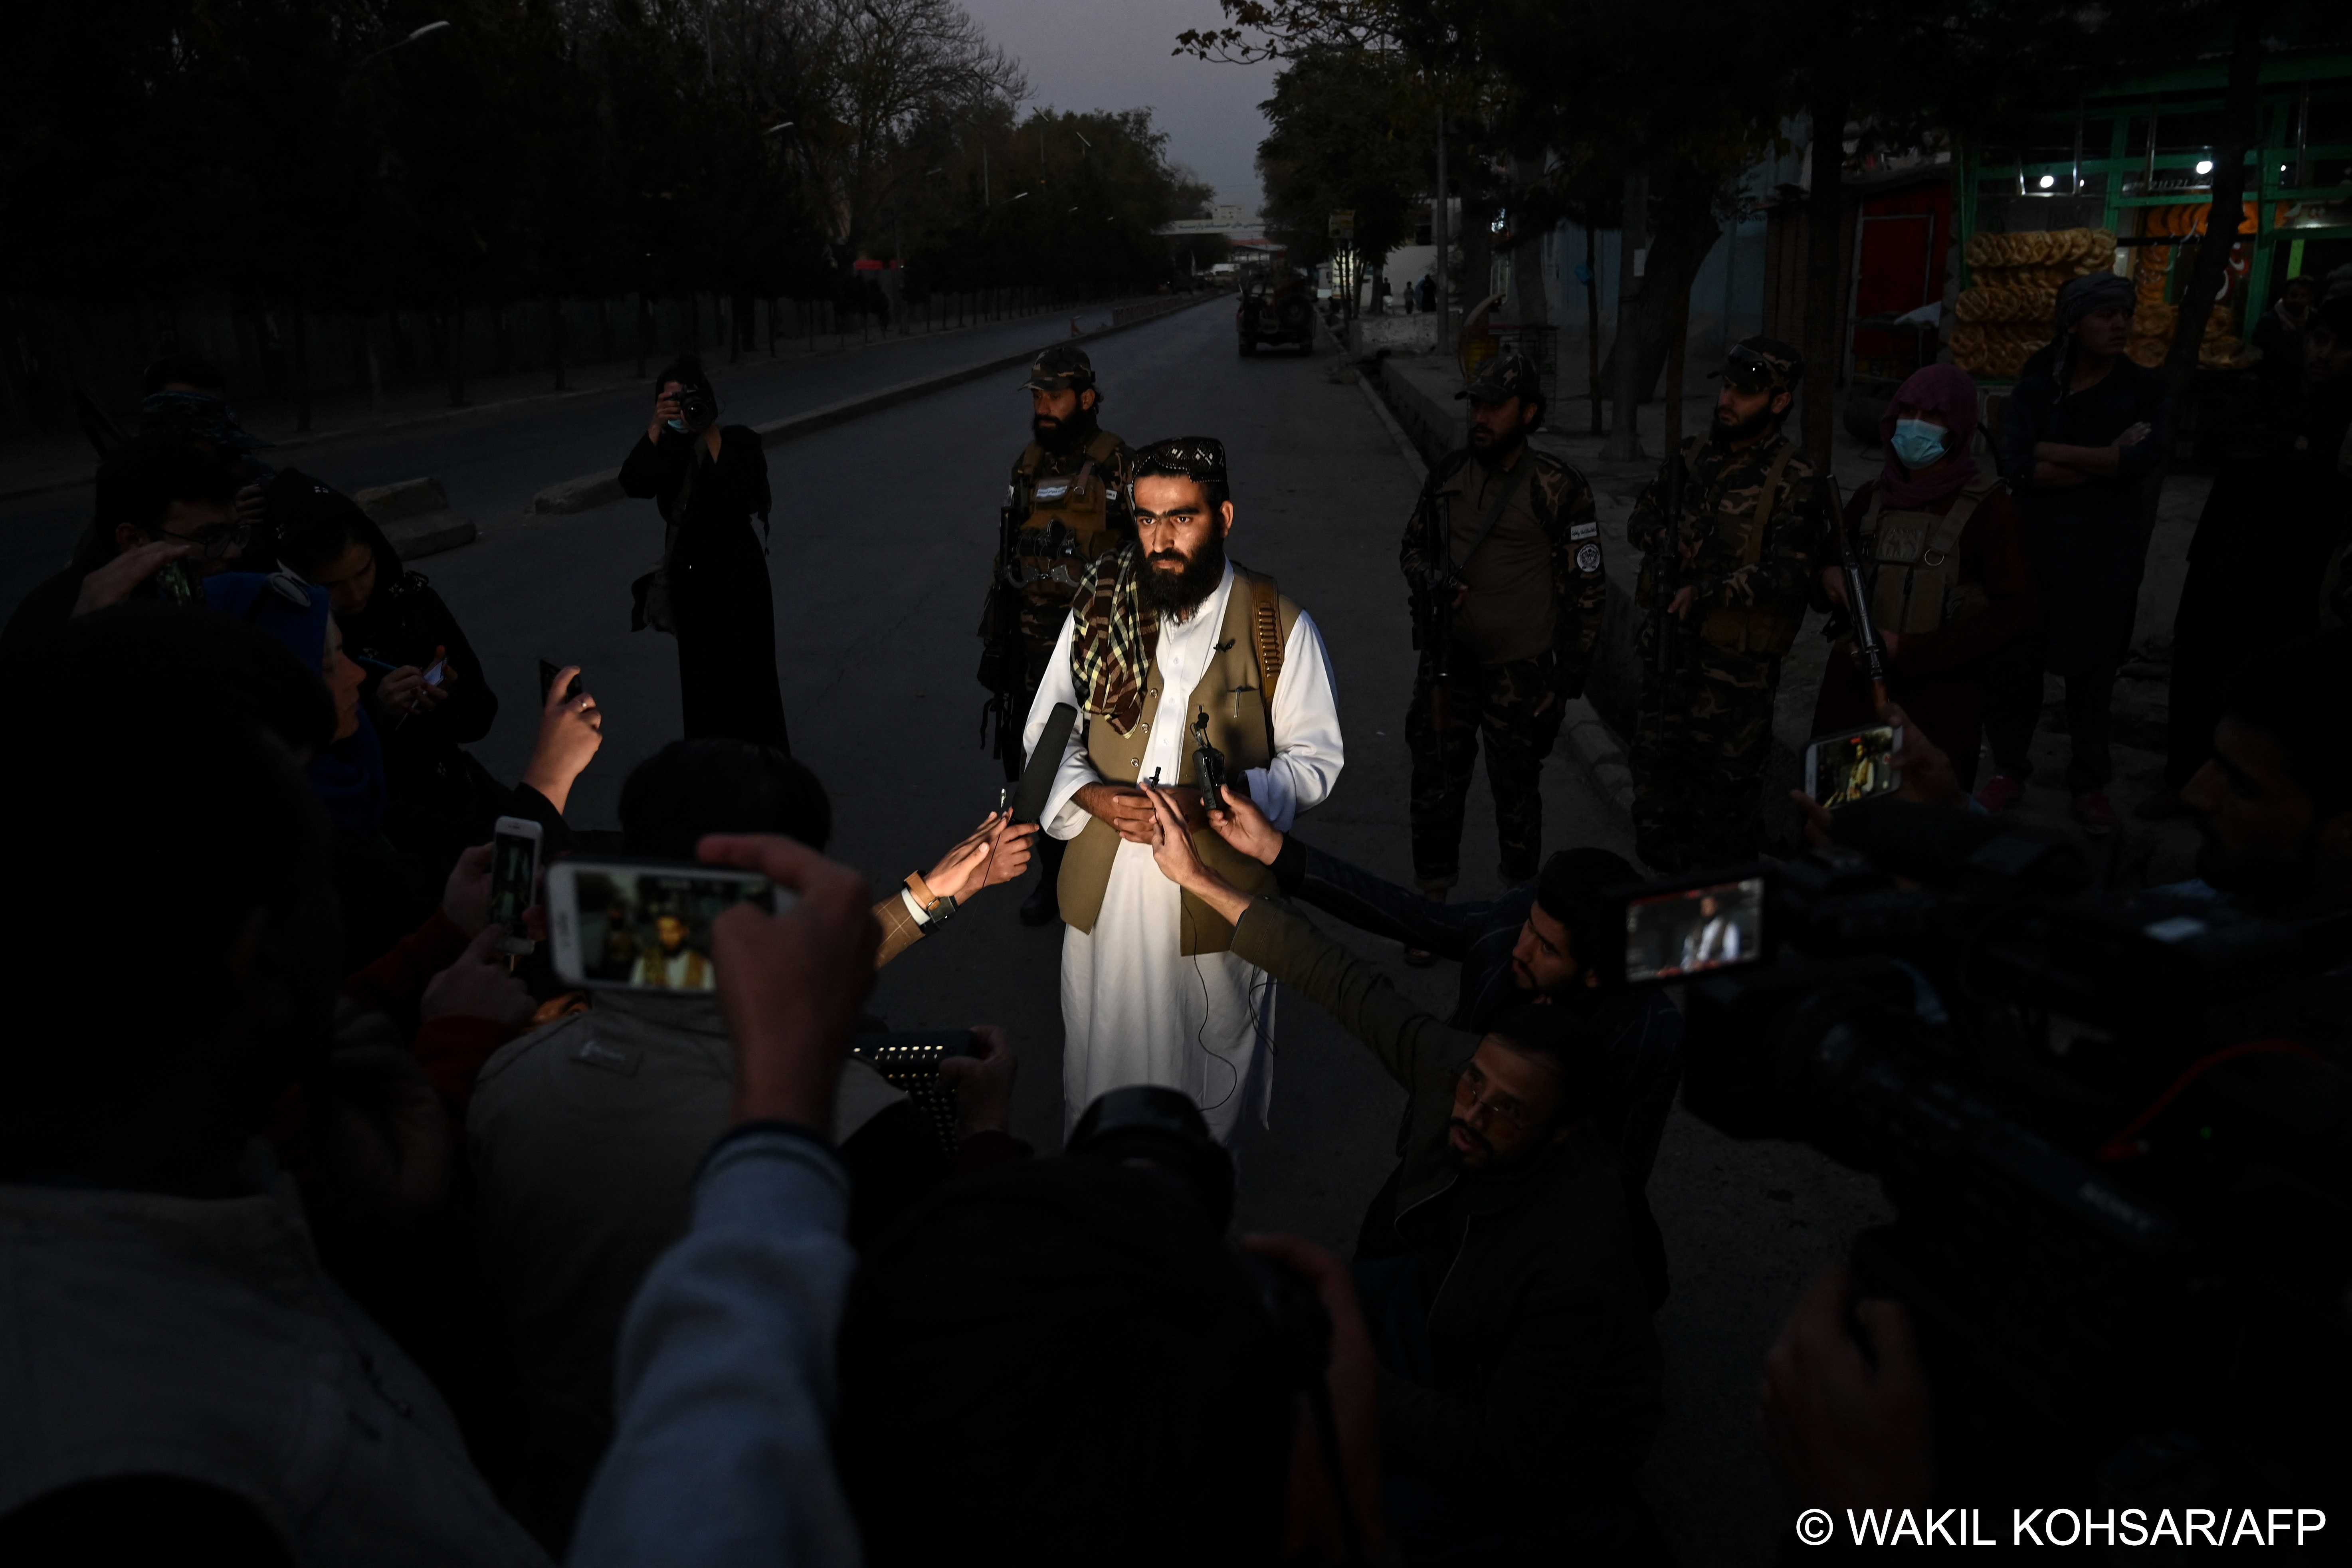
[[930, 907]]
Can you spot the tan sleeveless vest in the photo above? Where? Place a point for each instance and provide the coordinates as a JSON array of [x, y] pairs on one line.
[[1912, 560], [1079, 503], [1235, 691]]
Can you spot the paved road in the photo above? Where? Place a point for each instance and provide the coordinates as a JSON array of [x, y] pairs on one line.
[[492, 460], [883, 532]]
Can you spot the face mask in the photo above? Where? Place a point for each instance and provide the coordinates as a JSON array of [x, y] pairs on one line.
[[1916, 443]]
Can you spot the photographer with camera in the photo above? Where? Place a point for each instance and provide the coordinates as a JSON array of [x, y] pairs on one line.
[[711, 589], [584, 1136], [1518, 1402]]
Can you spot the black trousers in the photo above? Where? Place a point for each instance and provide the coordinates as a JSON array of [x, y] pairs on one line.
[[727, 659]]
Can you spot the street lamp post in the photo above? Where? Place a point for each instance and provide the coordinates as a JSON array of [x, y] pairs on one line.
[[426, 31]]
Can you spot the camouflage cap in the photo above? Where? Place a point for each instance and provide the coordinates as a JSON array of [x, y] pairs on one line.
[[1061, 369], [1510, 373], [1762, 364]]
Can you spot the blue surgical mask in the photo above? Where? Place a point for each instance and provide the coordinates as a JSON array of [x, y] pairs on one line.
[[1918, 443], [676, 424]]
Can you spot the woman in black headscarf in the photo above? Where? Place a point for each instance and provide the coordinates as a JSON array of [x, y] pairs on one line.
[[709, 481], [2085, 427]]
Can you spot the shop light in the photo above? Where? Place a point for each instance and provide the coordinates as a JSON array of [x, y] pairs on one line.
[[2048, 180], [2205, 166]]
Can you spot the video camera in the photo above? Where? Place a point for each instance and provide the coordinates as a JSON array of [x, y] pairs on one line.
[[2123, 1214]]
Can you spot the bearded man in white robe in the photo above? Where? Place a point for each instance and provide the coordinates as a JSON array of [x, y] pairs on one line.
[[1170, 646]]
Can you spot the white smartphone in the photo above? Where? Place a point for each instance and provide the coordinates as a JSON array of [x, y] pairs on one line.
[[514, 879], [437, 672], [644, 925], [1857, 765]]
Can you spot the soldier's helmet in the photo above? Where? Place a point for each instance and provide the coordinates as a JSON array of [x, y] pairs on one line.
[[1510, 373], [1762, 364], [1060, 369]]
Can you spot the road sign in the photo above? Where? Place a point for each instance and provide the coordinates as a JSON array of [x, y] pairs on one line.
[[1343, 223]]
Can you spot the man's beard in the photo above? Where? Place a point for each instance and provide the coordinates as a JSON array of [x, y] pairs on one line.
[[1495, 447], [1179, 594], [1062, 435], [1454, 1157], [1732, 435]]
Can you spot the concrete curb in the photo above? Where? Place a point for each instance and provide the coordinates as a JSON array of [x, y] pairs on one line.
[[1591, 740], [592, 490]]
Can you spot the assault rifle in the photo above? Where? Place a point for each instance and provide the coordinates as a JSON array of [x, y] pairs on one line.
[[1859, 620], [1004, 660], [1433, 607], [1662, 572]]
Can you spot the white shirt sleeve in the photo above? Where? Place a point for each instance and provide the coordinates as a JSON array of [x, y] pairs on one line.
[[1061, 819], [1307, 750]]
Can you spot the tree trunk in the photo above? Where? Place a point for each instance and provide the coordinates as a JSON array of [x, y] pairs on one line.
[[1440, 222], [1592, 312], [1824, 313], [2238, 130], [1648, 334], [298, 349], [1529, 306], [1626, 387], [1677, 347], [1478, 253]]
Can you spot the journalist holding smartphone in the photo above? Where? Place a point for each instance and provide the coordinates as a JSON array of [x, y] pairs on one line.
[[710, 588]]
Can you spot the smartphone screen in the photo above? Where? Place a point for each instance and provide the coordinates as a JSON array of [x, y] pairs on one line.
[[643, 925], [1858, 765], [1693, 930], [437, 671], [514, 879]]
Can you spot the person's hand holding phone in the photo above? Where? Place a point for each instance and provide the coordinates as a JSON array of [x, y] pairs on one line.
[[114, 582], [1241, 824], [1846, 1427], [792, 985], [1172, 851], [998, 844], [1312, 1533], [1927, 776], [571, 729], [480, 985], [982, 1083]]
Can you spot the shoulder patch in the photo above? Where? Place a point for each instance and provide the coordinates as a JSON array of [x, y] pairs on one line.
[[1587, 559], [1583, 530]]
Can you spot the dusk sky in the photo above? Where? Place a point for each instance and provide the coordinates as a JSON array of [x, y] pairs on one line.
[[1113, 54]]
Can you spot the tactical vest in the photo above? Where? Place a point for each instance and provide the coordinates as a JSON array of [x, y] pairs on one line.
[[1767, 630], [1068, 520], [1236, 691], [1911, 560]]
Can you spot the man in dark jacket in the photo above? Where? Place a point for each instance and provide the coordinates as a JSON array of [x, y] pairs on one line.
[[1515, 950], [1520, 1380]]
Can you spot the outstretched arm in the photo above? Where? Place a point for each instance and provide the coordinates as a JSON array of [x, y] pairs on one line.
[[1355, 993]]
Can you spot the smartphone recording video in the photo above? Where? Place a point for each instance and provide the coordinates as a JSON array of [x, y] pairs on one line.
[[645, 926], [547, 674], [514, 879], [1859, 765], [1693, 930]]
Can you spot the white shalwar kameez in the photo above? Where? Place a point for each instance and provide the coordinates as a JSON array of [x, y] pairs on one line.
[[1134, 1009]]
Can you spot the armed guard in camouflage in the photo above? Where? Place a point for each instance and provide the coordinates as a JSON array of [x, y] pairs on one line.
[[1065, 505], [1751, 531], [1503, 557]]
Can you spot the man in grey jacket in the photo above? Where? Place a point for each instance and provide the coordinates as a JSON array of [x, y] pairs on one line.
[[1520, 1379]]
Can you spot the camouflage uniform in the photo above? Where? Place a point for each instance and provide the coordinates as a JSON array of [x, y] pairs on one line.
[[1070, 506], [1701, 745], [1498, 699]]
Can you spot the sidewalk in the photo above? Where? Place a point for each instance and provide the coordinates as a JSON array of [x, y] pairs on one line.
[[59, 457]]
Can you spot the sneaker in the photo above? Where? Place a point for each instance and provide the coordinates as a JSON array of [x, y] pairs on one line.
[[2001, 792], [2092, 810]]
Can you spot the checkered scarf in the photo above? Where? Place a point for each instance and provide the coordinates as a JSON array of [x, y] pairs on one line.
[[1110, 646]]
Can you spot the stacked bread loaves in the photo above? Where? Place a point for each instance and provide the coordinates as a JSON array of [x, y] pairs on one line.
[[2006, 312]]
